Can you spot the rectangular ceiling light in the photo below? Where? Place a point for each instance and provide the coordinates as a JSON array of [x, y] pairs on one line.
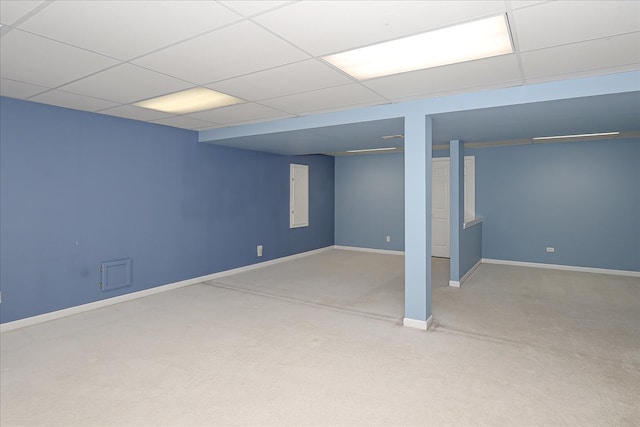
[[464, 42], [189, 101], [366, 150], [581, 135]]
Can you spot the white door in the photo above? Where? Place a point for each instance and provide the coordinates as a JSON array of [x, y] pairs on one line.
[[440, 207], [440, 202]]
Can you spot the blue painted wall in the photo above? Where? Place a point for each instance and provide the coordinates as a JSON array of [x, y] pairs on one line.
[[369, 201], [582, 198], [77, 189], [470, 248]]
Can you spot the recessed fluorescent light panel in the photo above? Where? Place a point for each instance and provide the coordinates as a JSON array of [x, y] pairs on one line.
[[465, 42], [367, 150], [581, 135], [189, 101]]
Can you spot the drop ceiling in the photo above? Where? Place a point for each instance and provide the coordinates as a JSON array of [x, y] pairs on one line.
[[104, 56]]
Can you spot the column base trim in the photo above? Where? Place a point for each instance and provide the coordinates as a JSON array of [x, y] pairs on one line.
[[417, 324]]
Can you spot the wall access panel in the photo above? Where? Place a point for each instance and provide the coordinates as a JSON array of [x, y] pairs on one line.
[[299, 203]]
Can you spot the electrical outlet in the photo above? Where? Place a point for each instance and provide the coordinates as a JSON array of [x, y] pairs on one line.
[[259, 250], [550, 249], [388, 238]]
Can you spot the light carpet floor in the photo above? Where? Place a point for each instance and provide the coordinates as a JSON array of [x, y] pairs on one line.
[[513, 347]]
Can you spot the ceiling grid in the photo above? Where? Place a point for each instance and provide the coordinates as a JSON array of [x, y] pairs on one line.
[[104, 57]]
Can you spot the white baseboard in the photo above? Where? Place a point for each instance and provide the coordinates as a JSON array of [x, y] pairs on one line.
[[376, 251], [562, 267], [458, 283], [34, 320], [417, 324]]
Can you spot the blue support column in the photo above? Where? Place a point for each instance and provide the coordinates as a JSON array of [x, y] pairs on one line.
[[456, 173], [418, 145]]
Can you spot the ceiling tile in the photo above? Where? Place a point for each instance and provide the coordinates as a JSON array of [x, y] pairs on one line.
[[24, 56], [450, 78], [346, 25], [334, 98], [183, 122], [127, 83], [235, 50], [241, 113], [135, 113], [286, 80], [131, 28], [577, 58], [562, 22], [12, 11], [15, 89], [71, 100], [585, 73], [251, 7], [519, 4]]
